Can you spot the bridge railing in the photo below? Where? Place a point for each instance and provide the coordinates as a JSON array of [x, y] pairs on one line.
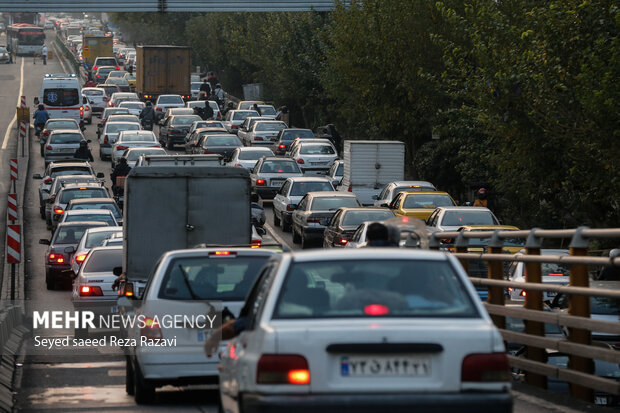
[[578, 344]]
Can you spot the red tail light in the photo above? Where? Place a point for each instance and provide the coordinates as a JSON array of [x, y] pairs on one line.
[[282, 146], [343, 241], [46, 133], [151, 329], [95, 67], [58, 210], [485, 367], [261, 182], [350, 189], [556, 274], [57, 258], [258, 138], [105, 139], [234, 126], [158, 109], [256, 243], [121, 148], [282, 369], [87, 108], [80, 258], [48, 180], [290, 207], [49, 147], [313, 220], [116, 67], [376, 309], [87, 290], [110, 103], [300, 161], [239, 165]]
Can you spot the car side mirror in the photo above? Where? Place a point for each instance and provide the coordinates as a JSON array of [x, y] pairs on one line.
[[37, 176], [100, 175], [36, 100], [117, 271], [44, 241]]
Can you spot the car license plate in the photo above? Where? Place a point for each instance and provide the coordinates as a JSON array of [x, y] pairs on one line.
[[385, 367], [275, 182], [319, 163], [600, 400]]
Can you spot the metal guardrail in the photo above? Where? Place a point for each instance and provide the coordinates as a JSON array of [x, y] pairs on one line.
[[578, 345]]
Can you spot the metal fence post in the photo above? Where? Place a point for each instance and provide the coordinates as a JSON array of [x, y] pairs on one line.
[[579, 305], [496, 272], [533, 301], [460, 245]]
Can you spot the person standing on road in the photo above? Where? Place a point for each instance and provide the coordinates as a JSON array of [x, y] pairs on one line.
[[83, 153], [205, 112], [44, 54]]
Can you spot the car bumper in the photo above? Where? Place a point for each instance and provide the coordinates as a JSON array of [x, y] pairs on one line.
[[177, 139], [169, 368], [313, 233], [267, 192], [363, 403], [60, 271], [58, 157], [315, 171], [98, 306]]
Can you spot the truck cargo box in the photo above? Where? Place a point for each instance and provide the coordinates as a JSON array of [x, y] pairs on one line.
[[163, 70]]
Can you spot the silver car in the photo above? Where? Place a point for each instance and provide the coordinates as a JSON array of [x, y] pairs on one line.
[[59, 183], [61, 145], [314, 158], [110, 134], [97, 97], [91, 215], [234, 119], [451, 218], [73, 191], [246, 157], [291, 193], [263, 132], [389, 192], [132, 139], [134, 107], [133, 154], [269, 174], [93, 237]]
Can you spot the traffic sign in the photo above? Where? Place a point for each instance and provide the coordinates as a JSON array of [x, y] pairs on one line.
[[86, 51], [13, 244]]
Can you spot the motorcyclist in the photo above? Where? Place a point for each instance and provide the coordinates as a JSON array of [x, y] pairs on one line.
[[205, 112], [481, 198], [40, 117], [121, 169], [147, 116], [83, 153]]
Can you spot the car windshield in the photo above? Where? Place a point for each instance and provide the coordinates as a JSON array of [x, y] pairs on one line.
[[604, 305], [90, 217], [184, 120], [68, 234], [68, 195], [355, 218], [302, 188], [104, 260], [211, 278], [400, 189], [317, 150], [332, 203], [110, 206], [461, 217], [373, 288], [252, 155], [195, 86], [93, 92], [66, 138], [290, 135], [244, 114], [118, 81], [106, 62], [270, 126], [115, 117], [427, 201], [62, 124], [279, 167], [135, 154], [61, 97], [109, 90], [167, 100], [222, 141], [116, 111], [95, 239], [117, 127], [138, 137], [267, 110]]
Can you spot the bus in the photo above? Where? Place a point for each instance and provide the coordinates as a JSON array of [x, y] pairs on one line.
[[25, 39]]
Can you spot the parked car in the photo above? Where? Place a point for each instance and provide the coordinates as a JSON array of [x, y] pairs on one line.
[[419, 204], [62, 144], [289, 195], [263, 132], [59, 250], [392, 189], [246, 157], [269, 174], [132, 139], [97, 97], [345, 221], [173, 130], [451, 218], [327, 331], [58, 123], [288, 135], [110, 133], [314, 158], [312, 214]]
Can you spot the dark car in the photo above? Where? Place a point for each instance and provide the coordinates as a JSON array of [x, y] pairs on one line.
[[102, 73], [345, 221], [109, 88], [59, 250], [223, 145], [173, 130], [286, 136]]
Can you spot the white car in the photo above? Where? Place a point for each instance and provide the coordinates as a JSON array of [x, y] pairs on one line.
[[234, 118], [180, 284], [389, 192], [165, 102], [384, 330], [109, 134], [134, 107], [552, 273], [86, 111], [246, 157], [133, 154], [133, 139], [263, 133], [451, 218], [97, 97], [314, 158], [290, 194]]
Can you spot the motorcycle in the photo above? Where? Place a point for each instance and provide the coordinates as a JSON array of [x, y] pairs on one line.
[[147, 125], [38, 130]]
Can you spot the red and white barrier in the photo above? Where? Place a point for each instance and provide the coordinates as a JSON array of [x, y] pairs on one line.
[[22, 129], [22, 102], [13, 165], [12, 207], [13, 244]]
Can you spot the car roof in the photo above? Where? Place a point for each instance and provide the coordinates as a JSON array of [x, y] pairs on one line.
[[354, 254], [488, 228], [90, 201], [202, 250], [425, 193], [463, 208], [81, 223], [276, 158], [254, 148], [308, 179], [72, 131], [71, 164], [62, 119], [332, 194], [308, 142], [71, 185], [88, 211], [412, 183], [211, 129]]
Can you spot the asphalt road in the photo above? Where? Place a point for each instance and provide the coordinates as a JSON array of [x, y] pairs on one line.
[[96, 382]]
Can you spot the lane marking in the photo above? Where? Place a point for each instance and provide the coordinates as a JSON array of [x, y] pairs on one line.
[[7, 134], [275, 236]]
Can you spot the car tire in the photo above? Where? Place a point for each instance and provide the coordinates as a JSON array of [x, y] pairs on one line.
[[170, 145], [129, 384], [143, 392], [42, 212], [304, 242], [49, 283], [276, 220], [101, 155], [285, 227], [296, 237]]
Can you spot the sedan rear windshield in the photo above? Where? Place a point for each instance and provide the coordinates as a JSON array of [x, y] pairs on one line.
[[62, 124], [355, 218], [184, 120], [110, 206], [244, 114], [70, 171], [139, 137], [223, 141], [252, 155], [170, 100], [104, 260], [427, 201], [117, 127], [317, 150], [210, 278], [459, 218], [62, 138], [279, 167], [134, 155], [333, 203], [68, 195], [270, 127], [68, 235], [95, 239], [106, 62], [93, 92], [302, 188], [132, 105], [406, 188], [298, 133], [373, 289], [90, 217]]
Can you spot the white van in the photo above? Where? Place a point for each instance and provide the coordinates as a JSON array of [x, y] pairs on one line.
[[61, 96]]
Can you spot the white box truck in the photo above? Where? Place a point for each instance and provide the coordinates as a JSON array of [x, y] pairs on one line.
[[370, 165]]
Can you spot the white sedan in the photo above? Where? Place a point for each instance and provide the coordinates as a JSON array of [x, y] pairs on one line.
[[383, 330], [134, 107], [133, 139], [246, 157]]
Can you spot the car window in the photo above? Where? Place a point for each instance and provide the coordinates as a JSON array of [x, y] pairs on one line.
[[269, 127], [62, 124], [427, 201], [252, 155], [358, 233], [184, 120], [267, 110], [95, 239], [459, 218], [253, 307], [68, 235], [104, 260], [61, 97], [297, 133], [66, 138], [110, 206], [373, 288], [244, 114], [317, 150], [140, 137], [302, 188], [117, 127], [303, 204], [105, 62], [340, 170], [210, 278], [170, 100], [68, 195], [132, 105], [93, 92], [223, 141], [355, 218], [335, 219], [277, 166], [284, 189], [90, 217], [133, 155], [333, 203]]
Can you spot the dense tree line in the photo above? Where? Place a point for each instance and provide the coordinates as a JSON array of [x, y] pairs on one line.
[[522, 94]]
